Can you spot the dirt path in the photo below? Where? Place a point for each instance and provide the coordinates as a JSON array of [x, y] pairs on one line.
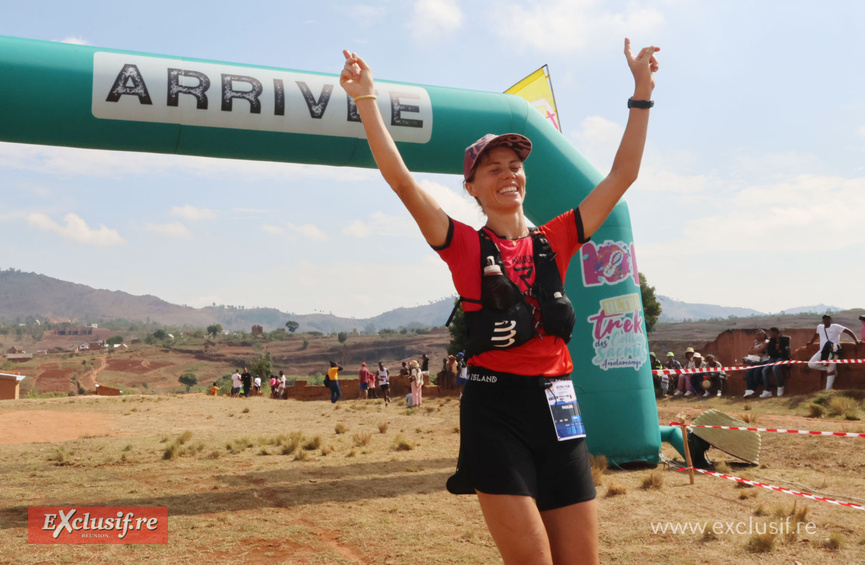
[[89, 380]]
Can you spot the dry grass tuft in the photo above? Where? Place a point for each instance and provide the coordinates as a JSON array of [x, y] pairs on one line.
[[383, 426], [312, 443], [340, 428], [722, 467], [599, 467], [816, 411], [654, 480], [361, 438], [834, 542], [61, 457], [615, 489], [844, 406], [749, 418], [400, 443], [760, 543]]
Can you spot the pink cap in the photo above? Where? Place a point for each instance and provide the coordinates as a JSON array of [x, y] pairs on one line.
[[515, 141]]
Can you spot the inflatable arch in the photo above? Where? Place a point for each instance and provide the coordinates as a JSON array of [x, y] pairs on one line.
[[81, 96]]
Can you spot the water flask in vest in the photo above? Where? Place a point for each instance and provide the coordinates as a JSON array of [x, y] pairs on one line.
[[496, 292]]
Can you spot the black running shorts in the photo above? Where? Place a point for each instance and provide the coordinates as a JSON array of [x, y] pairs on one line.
[[508, 445]]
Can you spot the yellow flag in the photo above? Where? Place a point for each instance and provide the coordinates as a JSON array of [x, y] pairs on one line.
[[538, 90]]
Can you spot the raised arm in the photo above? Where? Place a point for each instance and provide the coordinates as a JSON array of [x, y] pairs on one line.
[[851, 334], [626, 166], [356, 79]]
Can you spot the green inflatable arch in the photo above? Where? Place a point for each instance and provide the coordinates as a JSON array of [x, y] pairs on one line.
[[79, 96]]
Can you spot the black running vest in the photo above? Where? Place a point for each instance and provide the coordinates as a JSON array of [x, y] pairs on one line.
[[490, 329]]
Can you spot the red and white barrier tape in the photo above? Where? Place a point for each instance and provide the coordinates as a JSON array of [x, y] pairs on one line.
[[778, 489], [746, 367], [779, 430]]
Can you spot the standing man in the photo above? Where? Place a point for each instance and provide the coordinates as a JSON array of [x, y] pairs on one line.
[[424, 365], [778, 349], [383, 384], [246, 379], [830, 338], [236, 382], [333, 375], [363, 380]]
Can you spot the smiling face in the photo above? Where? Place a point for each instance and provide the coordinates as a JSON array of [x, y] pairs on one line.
[[499, 181]]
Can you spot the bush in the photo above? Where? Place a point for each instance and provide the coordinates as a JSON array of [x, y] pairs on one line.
[[400, 443], [340, 428]]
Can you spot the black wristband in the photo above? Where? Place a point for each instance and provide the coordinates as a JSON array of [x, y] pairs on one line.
[[640, 104]]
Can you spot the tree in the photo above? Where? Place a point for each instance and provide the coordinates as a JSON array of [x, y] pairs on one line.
[[262, 367], [214, 329], [651, 306], [292, 326], [189, 380], [342, 337], [458, 329], [160, 334], [114, 340]]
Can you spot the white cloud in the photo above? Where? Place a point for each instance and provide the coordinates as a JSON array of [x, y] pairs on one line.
[[366, 15], [275, 230], [76, 229], [434, 18], [192, 213], [75, 40], [310, 231], [381, 224], [567, 26], [174, 229]]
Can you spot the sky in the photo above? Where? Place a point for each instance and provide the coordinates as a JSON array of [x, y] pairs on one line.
[[751, 193]]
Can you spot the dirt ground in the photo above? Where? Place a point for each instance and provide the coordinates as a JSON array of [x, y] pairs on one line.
[[365, 484]]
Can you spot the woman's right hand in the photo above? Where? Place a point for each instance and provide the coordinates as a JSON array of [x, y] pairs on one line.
[[356, 76]]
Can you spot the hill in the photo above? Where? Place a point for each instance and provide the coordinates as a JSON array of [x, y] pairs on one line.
[[31, 295], [678, 311]]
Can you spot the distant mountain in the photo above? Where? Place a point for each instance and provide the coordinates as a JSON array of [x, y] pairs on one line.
[[677, 311], [26, 295]]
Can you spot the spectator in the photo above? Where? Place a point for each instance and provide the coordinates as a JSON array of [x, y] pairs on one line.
[[333, 375], [674, 365], [383, 382], [424, 367], [236, 383], [416, 379], [280, 392], [661, 381], [257, 386], [778, 349], [363, 381], [403, 371], [461, 372], [274, 383], [830, 347], [862, 329], [246, 379], [717, 379], [214, 390], [755, 358], [685, 382], [373, 391]]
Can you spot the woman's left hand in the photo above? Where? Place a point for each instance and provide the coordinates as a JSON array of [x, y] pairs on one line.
[[643, 67]]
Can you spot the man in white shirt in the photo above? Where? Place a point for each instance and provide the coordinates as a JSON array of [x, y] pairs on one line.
[[830, 336], [236, 383]]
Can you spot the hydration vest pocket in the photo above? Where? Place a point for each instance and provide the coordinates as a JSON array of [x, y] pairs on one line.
[[557, 314], [499, 329]]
